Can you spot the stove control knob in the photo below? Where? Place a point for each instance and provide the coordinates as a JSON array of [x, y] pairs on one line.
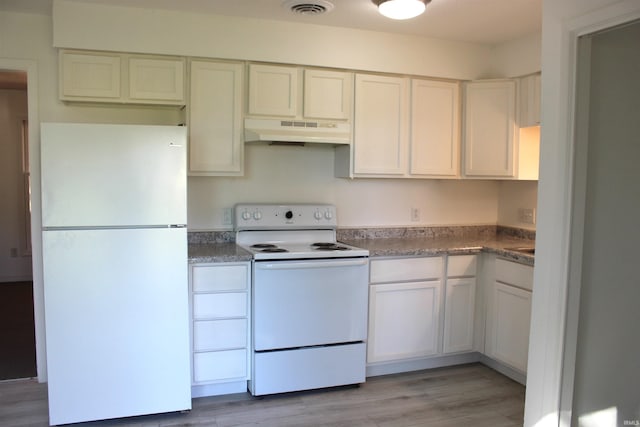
[[317, 215], [246, 215], [288, 214], [328, 215], [257, 215]]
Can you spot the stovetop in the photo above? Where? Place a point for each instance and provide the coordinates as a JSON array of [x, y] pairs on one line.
[[295, 231]]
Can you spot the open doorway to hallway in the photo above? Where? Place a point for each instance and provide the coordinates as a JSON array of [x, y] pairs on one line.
[[17, 330]]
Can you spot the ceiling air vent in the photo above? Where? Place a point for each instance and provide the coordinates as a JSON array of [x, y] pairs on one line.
[[301, 7]]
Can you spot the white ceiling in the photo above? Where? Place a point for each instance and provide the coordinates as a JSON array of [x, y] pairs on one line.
[[476, 21]]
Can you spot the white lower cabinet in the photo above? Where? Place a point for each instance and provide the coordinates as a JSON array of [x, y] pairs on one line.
[[404, 320], [404, 308], [460, 301], [509, 313], [220, 332]]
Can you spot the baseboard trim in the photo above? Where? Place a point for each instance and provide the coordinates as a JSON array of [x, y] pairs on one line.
[[505, 370], [395, 367], [204, 390]]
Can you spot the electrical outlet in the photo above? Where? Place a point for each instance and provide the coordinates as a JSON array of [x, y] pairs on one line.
[[527, 215], [227, 216], [415, 214]]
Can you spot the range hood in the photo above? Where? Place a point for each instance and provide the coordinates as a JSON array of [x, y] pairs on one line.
[[296, 131]]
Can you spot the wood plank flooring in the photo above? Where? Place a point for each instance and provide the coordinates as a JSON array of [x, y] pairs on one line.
[[466, 395]]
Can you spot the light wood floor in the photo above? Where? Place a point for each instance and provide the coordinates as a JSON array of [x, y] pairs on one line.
[[468, 395]]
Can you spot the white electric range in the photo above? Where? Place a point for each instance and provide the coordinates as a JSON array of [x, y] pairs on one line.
[[309, 299]]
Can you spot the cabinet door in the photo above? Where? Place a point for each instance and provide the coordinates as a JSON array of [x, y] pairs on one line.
[[459, 311], [327, 94], [215, 119], [403, 320], [156, 80], [490, 129], [529, 100], [273, 90], [89, 77], [510, 317], [435, 128], [381, 125]]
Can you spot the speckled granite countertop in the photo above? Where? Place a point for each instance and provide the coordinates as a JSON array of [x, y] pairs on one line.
[[217, 252], [213, 248], [446, 245]]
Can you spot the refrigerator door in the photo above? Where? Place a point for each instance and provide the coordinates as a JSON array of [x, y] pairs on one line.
[[113, 175], [116, 310]]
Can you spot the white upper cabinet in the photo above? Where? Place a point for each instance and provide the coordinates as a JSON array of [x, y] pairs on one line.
[[403, 128], [490, 129], [273, 90], [529, 97], [87, 76], [435, 129], [381, 125], [327, 94], [294, 92], [215, 118], [156, 79]]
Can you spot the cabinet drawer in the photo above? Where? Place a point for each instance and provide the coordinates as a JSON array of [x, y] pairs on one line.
[[213, 278], [219, 365], [219, 334], [461, 265], [211, 306], [515, 274], [402, 269]]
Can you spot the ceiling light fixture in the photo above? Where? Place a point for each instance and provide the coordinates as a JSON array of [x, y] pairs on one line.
[[401, 9]]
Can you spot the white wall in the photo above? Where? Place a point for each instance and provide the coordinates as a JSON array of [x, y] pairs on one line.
[[214, 36], [305, 174], [517, 57], [514, 195], [13, 110]]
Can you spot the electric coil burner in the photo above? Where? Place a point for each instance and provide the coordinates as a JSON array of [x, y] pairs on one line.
[[309, 302]]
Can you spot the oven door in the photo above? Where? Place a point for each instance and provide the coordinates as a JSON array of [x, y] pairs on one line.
[[300, 303]]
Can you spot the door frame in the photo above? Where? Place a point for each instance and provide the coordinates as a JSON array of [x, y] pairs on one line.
[[561, 197], [30, 67]]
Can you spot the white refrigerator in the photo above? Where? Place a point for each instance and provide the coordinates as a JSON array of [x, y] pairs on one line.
[[115, 270]]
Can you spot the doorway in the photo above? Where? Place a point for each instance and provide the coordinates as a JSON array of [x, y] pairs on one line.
[[607, 154], [17, 326]]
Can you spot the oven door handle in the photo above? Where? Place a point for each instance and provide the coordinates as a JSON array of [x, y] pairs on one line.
[[283, 265]]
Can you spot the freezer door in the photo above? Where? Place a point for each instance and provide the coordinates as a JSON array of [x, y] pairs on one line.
[[113, 175], [117, 323]]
